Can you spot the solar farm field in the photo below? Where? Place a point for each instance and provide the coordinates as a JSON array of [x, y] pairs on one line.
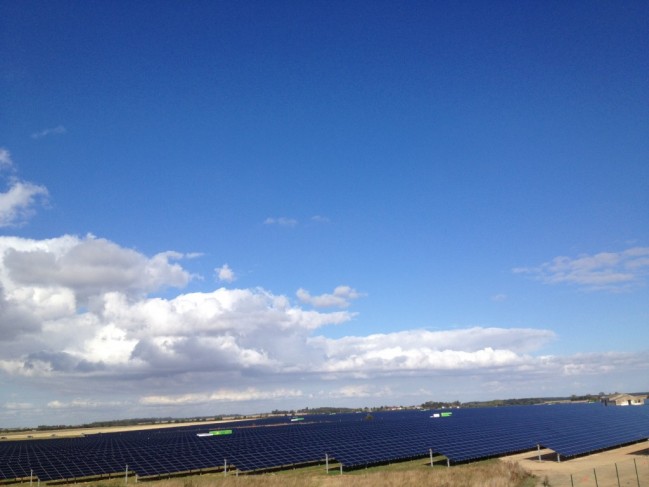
[[351, 440]]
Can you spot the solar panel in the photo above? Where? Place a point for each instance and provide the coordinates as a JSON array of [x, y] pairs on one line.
[[466, 435]]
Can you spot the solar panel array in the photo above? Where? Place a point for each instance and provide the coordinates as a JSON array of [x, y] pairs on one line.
[[351, 439]]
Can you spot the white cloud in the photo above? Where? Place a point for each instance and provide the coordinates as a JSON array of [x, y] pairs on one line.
[[611, 271], [225, 273], [422, 350], [58, 130], [5, 159], [221, 395], [87, 267], [85, 302], [120, 331], [82, 403], [281, 221], [340, 298], [79, 315], [18, 202]]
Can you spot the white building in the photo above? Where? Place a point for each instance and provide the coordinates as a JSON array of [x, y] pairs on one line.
[[624, 400]]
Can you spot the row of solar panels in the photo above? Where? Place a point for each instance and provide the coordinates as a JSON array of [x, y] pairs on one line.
[[351, 439]]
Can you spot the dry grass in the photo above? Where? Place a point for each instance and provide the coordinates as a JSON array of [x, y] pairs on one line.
[[482, 474]]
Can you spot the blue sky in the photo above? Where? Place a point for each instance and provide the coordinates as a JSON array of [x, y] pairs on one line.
[[216, 207]]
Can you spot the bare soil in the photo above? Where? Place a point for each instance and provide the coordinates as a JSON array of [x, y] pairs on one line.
[[629, 463]]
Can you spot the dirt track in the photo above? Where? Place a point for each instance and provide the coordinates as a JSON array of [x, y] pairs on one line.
[[584, 469]]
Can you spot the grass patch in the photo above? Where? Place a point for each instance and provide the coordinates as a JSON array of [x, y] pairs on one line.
[[489, 473]]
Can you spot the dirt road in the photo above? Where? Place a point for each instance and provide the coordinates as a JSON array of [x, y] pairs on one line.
[[629, 464]]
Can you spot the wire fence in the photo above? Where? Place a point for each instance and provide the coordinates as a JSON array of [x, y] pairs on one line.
[[629, 473]]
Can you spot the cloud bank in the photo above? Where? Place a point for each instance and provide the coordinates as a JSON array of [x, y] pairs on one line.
[[91, 329]]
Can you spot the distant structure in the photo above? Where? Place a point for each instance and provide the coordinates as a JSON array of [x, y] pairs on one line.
[[623, 400]]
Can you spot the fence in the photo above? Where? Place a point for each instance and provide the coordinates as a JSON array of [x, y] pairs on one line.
[[629, 473]]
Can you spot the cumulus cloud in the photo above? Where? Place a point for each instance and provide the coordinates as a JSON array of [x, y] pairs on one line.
[[282, 221], [612, 271], [422, 350], [90, 306], [18, 201], [58, 130], [16, 318], [225, 273], [82, 314], [89, 301], [86, 266], [340, 298]]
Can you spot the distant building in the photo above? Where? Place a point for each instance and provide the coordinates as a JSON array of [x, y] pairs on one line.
[[624, 400]]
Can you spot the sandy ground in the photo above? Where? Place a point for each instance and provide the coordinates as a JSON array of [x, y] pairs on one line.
[[598, 469]]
